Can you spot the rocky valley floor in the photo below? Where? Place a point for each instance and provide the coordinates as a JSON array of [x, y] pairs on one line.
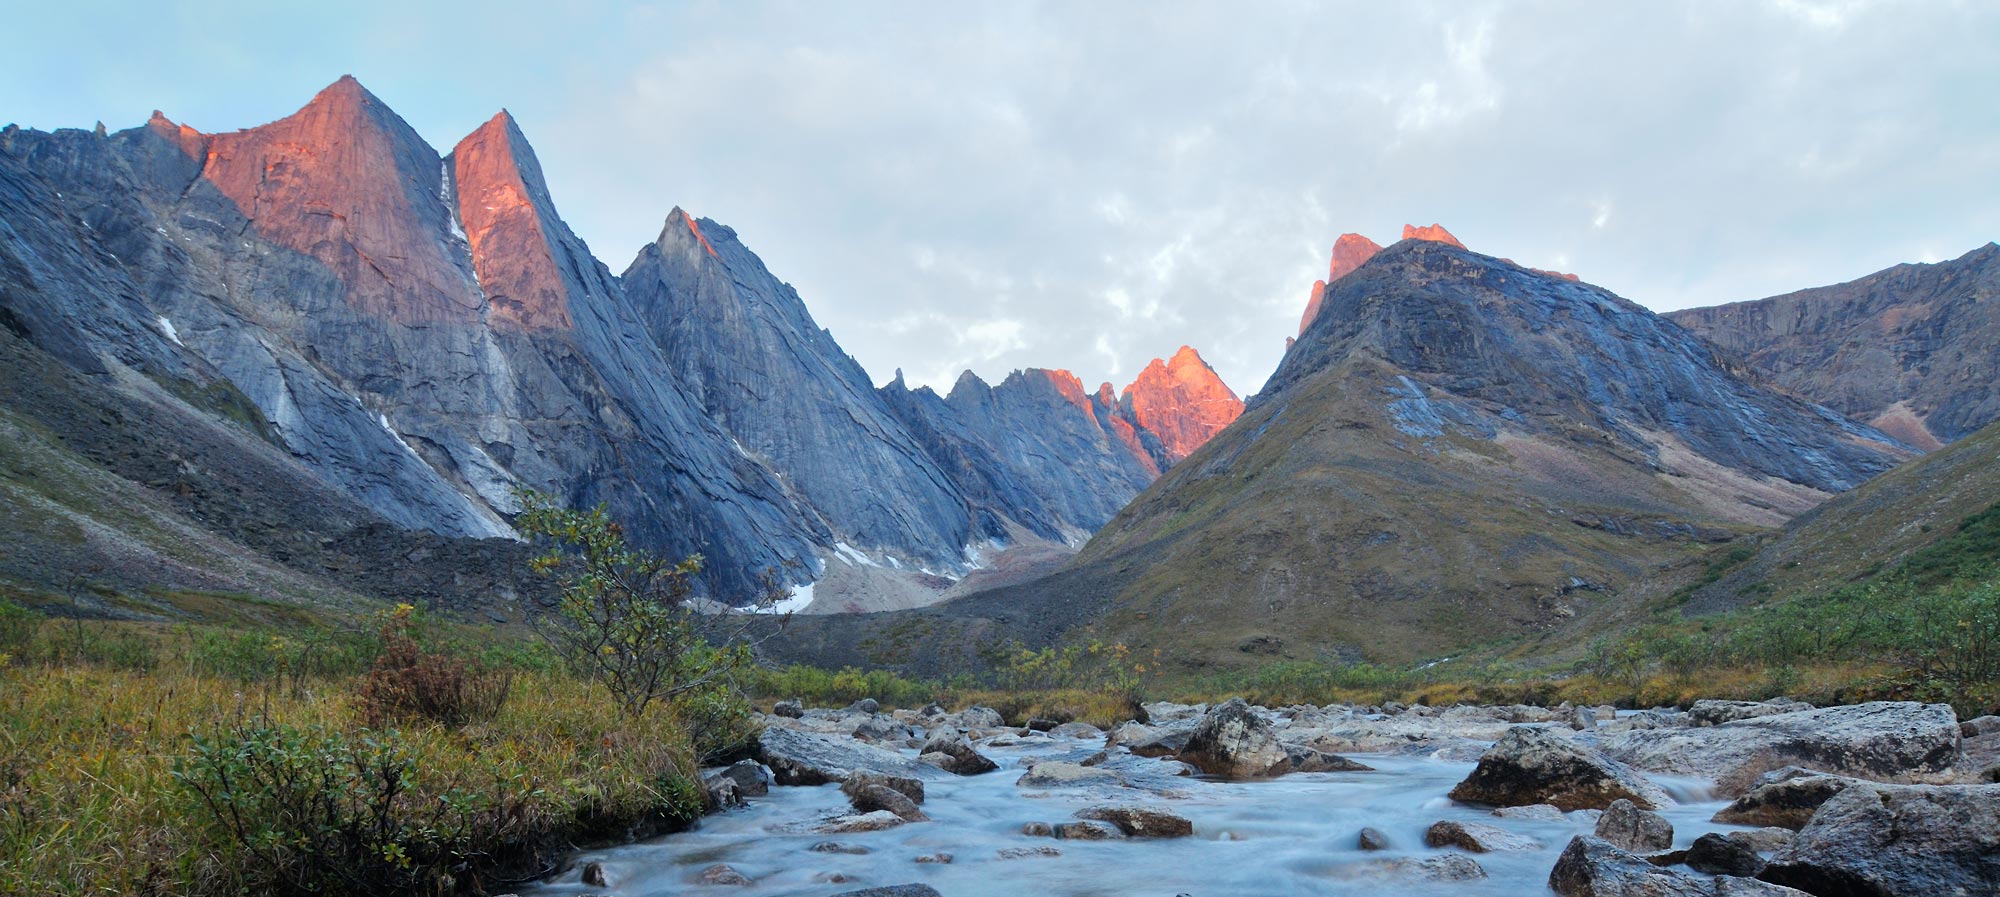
[[1727, 798]]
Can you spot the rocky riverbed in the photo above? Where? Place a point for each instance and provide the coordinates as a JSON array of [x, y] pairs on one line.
[[1726, 798]]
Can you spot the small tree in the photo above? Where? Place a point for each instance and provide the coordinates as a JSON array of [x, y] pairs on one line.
[[626, 618]]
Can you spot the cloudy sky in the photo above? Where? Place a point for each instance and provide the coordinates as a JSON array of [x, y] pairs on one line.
[[1090, 185]]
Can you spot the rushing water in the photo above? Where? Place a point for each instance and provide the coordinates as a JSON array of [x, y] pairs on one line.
[[1292, 835]]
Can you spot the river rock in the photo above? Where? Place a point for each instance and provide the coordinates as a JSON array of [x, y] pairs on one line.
[[1079, 731], [980, 717], [865, 705], [908, 787], [880, 728], [1898, 841], [750, 778], [1769, 839], [1160, 743], [874, 821], [1594, 867], [1305, 759], [1879, 741], [722, 874], [868, 797], [1980, 725], [1477, 837], [1642, 831], [1710, 713], [1444, 867], [1372, 838], [1538, 812], [788, 709], [893, 891], [804, 758], [1537, 766], [1015, 853], [1063, 774], [940, 858], [1086, 831], [1786, 803], [721, 793], [960, 757], [1719, 855], [1141, 822], [593, 875], [1235, 742], [837, 847]]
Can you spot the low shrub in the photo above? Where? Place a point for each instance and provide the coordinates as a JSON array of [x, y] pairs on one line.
[[439, 685]]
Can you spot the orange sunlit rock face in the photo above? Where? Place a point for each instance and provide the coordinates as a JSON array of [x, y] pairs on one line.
[[1434, 233], [341, 180], [504, 229], [1121, 430], [694, 227], [1181, 401], [1069, 386], [1351, 251]]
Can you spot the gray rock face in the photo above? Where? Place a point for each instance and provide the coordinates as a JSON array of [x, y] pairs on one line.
[[1235, 742], [321, 265], [1898, 841], [1880, 741], [1536, 766], [742, 345], [1911, 349], [1544, 346], [997, 442], [1642, 831]]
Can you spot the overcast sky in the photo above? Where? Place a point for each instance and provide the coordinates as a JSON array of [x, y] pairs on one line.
[[1090, 185]]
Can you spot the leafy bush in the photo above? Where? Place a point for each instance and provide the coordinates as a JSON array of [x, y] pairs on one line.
[[442, 686], [316, 811], [288, 660]]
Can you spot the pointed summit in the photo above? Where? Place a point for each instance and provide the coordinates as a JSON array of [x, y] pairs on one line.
[[1349, 253], [1182, 401], [346, 181], [1435, 233], [510, 226], [679, 221]]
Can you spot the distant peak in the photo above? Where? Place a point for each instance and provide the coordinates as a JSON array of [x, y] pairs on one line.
[[679, 217], [1434, 233], [345, 90]]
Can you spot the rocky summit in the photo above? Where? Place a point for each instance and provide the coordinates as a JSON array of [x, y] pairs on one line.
[[1913, 350]]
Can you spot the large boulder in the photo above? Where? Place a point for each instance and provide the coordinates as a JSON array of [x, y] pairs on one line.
[[1594, 867], [803, 758], [1537, 766], [1631, 828], [1305, 759], [862, 778], [1898, 841], [1232, 741], [1884, 741], [1789, 802]]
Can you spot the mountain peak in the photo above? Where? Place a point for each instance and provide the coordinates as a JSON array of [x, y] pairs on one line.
[[1435, 233], [1351, 251], [1183, 401], [679, 218], [501, 204]]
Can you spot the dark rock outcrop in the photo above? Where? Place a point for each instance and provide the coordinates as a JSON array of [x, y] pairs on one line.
[[1593, 867], [1788, 802], [1897, 841], [1536, 766]]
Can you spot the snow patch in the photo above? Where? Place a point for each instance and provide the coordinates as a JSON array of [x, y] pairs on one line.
[[852, 556], [384, 420], [167, 328], [445, 194], [801, 597]]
